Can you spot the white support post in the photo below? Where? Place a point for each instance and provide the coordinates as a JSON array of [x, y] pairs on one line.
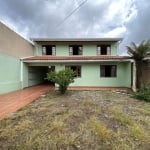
[[134, 77]]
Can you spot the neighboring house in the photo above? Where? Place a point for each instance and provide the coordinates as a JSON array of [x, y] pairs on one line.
[[146, 69], [94, 60], [12, 48]]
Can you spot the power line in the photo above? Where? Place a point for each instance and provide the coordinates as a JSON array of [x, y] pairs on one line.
[[71, 13]]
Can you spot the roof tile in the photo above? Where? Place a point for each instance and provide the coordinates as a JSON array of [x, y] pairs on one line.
[[100, 57]]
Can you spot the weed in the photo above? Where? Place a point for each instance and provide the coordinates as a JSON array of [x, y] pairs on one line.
[[35, 140], [24, 125], [98, 128], [56, 125], [143, 111], [122, 118], [122, 102], [138, 132], [4, 122], [89, 102]]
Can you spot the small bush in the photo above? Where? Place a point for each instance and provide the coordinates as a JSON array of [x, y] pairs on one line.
[[63, 78], [142, 96], [144, 92]]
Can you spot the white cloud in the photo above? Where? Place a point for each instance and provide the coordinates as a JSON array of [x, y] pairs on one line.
[[117, 32], [100, 18]]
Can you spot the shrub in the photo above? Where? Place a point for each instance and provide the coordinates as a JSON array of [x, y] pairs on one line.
[[144, 92], [63, 78]]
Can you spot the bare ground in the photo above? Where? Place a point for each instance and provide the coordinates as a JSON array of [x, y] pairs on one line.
[[79, 120]]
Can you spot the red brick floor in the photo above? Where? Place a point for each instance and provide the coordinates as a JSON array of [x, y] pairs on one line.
[[11, 102]]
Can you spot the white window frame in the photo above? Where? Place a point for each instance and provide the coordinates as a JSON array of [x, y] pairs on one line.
[[103, 75], [80, 50]]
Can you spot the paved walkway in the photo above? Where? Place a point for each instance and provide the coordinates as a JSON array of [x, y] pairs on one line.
[[11, 102]]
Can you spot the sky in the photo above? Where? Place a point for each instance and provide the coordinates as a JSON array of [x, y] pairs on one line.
[[128, 19]]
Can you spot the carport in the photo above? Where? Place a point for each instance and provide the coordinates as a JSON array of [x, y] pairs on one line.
[[34, 71], [37, 74]]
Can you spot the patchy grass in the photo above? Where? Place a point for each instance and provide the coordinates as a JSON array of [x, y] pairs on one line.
[[79, 120], [121, 117], [97, 128], [138, 132]]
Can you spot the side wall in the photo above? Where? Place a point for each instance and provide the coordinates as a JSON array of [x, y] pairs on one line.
[[12, 48], [9, 73], [13, 44]]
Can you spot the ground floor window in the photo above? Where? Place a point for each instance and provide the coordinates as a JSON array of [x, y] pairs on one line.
[[108, 70], [76, 70]]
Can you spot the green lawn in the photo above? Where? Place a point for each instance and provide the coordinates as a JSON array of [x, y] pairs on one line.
[[79, 120]]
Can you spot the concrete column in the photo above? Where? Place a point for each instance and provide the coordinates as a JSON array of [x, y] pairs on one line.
[[134, 76]]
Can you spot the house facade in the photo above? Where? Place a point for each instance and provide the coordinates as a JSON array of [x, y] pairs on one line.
[[95, 61]]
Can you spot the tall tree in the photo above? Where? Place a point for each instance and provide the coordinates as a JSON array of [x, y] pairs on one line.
[[138, 52]]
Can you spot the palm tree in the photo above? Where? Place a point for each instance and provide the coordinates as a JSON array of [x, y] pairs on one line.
[[138, 52]]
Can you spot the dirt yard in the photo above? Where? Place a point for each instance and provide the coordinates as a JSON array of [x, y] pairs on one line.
[[79, 120]]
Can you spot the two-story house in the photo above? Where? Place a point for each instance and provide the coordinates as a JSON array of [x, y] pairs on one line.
[[95, 61]]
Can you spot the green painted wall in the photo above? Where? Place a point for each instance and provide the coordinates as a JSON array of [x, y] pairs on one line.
[[114, 49], [37, 50], [62, 50], [25, 75], [89, 48], [10, 73], [91, 74]]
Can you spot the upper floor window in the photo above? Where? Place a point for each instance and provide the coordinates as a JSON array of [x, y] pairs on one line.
[[103, 50], [75, 50], [76, 70], [49, 50], [108, 71]]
